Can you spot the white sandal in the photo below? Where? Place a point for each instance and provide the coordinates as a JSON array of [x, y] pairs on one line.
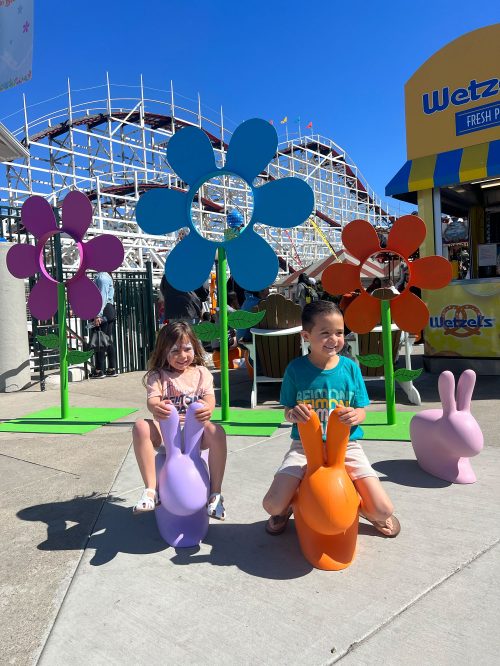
[[215, 506], [146, 503]]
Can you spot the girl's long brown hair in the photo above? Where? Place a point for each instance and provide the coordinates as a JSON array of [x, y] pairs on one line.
[[168, 337]]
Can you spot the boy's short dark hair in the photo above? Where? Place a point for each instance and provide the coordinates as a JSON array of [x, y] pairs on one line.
[[316, 308]]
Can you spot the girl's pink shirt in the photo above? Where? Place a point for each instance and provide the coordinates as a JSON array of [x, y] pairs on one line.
[[193, 384]]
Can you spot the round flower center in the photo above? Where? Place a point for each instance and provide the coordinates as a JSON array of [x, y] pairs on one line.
[[222, 208], [70, 253], [390, 275]]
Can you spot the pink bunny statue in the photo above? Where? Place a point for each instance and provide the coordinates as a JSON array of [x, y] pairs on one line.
[[183, 481], [445, 439]]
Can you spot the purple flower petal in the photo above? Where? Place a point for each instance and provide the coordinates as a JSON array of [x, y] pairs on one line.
[[42, 300], [37, 216], [84, 297], [22, 261], [103, 253], [76, 214]]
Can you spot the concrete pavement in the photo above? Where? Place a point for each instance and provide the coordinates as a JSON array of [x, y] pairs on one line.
[[124, 597]]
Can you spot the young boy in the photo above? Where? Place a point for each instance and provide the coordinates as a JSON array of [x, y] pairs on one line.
[[320, 381]]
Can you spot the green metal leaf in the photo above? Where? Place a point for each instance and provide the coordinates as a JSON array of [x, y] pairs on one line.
[[206, 331], [371, 360], [49, 341], [244, 319], [405, 375], [75, 356]]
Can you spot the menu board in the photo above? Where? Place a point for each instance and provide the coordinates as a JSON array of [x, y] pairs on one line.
[[487, 254]]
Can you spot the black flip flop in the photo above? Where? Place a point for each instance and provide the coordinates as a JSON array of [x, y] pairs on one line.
[[281, 523]]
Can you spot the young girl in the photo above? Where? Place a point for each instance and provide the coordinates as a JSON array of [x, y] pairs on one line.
[[320, 381], [177, 376]]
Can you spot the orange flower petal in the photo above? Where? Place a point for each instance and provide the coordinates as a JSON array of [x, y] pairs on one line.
[[407, 235], [409, 312], [430, 272], [341, 278], [360, 239], [363, 313]]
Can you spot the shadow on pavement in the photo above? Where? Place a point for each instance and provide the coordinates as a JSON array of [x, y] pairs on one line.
[[251, 549], [407, 473], [246, 546], [119, 531]]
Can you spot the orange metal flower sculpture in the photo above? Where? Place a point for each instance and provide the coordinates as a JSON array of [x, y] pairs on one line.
[[408, 311]]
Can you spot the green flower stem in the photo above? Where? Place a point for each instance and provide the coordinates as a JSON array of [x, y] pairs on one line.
[[63, 349], [224, 352], [390, 390]]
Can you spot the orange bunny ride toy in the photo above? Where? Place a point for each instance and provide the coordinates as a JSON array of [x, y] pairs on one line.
[[326, 504]]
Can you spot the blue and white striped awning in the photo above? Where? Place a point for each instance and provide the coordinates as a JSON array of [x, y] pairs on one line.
[[455, 166]]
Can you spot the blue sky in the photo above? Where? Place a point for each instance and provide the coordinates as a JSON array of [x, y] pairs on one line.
[[341, 65]]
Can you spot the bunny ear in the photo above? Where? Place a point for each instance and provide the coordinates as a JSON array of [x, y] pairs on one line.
[[193, 431], [465, 387], [171, 432], [337, 438], [311, 436], [446, 387]]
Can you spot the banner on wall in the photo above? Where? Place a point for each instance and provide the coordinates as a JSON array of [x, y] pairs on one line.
[[16, 42], [463, 321]]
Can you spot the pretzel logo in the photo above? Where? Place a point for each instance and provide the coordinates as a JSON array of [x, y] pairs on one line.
[[462, 324]]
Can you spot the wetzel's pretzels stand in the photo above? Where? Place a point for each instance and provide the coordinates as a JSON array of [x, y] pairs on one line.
[[453, 174]]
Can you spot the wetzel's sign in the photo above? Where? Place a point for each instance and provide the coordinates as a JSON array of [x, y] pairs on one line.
[[462, 321], [453, 100]]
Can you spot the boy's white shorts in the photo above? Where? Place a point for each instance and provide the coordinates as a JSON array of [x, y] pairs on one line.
[[356, 463]]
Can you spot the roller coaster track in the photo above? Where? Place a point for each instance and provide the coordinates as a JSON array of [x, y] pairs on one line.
[[113, 149]]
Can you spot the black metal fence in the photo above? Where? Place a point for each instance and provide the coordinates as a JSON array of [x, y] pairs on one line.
[[136, 322]]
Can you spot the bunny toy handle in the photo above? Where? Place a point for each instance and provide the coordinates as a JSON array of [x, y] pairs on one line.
[[171, 433], [465, 389], [337, 439], [311, 436], [193, 431], [446, 388]]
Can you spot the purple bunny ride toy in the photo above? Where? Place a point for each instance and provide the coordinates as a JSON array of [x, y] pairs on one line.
[[183, 481], [445, 439]]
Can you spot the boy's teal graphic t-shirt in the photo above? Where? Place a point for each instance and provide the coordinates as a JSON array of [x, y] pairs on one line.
[[324, 390]]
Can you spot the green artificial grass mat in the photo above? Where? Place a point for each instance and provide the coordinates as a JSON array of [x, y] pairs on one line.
[[376, 426], [256, 422], [80, 420]]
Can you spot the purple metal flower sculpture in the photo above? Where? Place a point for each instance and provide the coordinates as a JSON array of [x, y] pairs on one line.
[[103, 253], [48, 296]]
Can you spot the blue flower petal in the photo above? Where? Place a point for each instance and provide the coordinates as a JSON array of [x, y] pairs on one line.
[[283, 203], [252, 261], [190, 154], [190, 262], [252, 146], [161, 211]]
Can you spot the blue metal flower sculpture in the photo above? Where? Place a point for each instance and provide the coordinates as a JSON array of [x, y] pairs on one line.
[[282, 203]]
